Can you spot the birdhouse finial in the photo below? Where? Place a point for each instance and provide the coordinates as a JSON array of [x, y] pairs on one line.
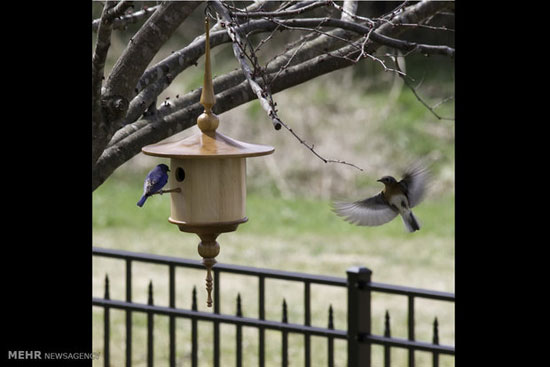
[[208, 122]]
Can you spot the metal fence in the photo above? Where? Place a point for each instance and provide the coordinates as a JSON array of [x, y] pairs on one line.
[[358, 334]]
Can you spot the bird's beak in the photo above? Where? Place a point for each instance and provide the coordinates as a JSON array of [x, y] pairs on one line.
[[379, 180]]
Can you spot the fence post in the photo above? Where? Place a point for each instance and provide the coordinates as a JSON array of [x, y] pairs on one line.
[[359, 316]]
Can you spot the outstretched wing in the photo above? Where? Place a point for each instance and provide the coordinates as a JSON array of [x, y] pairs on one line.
[[414, 182], [372, 211]]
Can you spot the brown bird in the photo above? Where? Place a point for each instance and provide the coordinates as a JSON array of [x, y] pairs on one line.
[[397, 197]]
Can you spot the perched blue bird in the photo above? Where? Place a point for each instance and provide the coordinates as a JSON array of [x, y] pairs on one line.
[[154, 182]]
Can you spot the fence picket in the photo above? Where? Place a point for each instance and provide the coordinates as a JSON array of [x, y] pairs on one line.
[[387, 334], [172, 320], [239, 334], [128, 313], [307, 322], [330, 339], [194, 330], [411, 328], [150, 327], [261, 316], [106, 327], [216, 324], [435, 341], [285, 336]]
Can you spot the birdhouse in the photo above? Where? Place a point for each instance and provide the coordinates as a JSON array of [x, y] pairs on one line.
[[209, 169]]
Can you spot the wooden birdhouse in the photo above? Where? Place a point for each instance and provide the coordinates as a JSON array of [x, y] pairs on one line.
[[209, 169]]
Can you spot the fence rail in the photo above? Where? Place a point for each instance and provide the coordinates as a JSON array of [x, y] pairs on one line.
[[358, 334]]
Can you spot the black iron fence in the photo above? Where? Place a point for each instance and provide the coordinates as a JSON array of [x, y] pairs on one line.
[[358, 334]]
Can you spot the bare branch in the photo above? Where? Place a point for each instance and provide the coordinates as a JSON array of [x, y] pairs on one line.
[[180, 60], [144, 46], [420, 99], [238, 49], [99, 56], [103, 42], [120, 86], [280, 14], [349, 9], [348, 13], [376, 36], [122, 21], [305, 60]]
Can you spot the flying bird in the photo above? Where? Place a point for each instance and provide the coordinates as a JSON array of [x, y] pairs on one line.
[[396, 198], [154, 182]]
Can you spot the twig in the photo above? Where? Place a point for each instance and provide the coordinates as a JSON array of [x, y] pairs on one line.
[[238, 50], [412, 25], [160, 192], [123, 20], [351, 15], [413, 89], [311, 148], [264, 96], [279, 14]]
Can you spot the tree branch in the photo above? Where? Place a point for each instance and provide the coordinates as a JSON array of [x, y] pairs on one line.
[[420, 99], [280, 14], [122, 21], [103, 42], [119, 88], [144, 46], [161, 127], [238, 49], [237, 89]]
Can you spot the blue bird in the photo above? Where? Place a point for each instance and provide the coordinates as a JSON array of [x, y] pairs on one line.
[[154, 182]]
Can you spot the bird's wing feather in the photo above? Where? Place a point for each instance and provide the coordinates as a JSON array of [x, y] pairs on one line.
[[154, 181], [372, 211], [414, 182]]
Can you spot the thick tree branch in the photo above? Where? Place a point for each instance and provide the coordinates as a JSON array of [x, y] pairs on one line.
[[144, 46], [119, 88], [99, 56]]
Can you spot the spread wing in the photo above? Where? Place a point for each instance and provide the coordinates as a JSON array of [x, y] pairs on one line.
[[372, 211], [414, 182]]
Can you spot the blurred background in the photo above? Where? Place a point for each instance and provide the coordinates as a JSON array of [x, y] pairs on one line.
[[361, 115]]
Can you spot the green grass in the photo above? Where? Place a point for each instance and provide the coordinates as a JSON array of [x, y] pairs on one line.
[[291, 226], [289, 234]]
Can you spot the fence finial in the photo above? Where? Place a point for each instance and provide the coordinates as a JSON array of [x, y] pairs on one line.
[[436, 332], [285, 316], [387, 332], [106, 296], [330, 317], [239, 309], [150, 292], [194, 299]]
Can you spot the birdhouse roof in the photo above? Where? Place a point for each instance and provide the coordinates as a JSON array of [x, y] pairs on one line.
[[207, 145]]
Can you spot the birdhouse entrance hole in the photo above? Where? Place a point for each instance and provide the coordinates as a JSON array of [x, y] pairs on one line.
[[180, 174]]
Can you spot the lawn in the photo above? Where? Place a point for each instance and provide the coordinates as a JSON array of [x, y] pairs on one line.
[[291, 225], [288, 234]]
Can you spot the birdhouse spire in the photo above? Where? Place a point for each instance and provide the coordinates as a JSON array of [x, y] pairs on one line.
[[208, 122]]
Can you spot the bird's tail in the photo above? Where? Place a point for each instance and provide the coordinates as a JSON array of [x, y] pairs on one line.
[[410, 221], [142, 201]]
